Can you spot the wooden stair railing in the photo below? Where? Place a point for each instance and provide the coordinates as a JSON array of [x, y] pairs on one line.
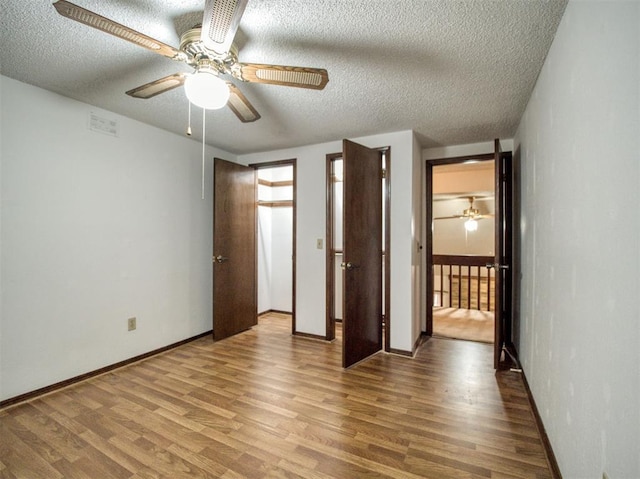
[[461, 287]]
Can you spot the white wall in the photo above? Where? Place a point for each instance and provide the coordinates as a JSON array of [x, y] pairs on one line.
[[281, 253], [311, 212], [579, 154], [95, 229], [265, 262]]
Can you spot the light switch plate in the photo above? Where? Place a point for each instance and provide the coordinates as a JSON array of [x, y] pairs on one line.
[[319, 243]]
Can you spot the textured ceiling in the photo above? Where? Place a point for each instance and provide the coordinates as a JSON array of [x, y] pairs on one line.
[[453, 71]]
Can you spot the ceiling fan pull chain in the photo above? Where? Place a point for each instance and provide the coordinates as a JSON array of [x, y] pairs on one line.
[[189, 120], [204, 111]]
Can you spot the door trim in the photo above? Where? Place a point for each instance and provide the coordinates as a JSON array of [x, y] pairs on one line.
[[330, 256], [275, 164]]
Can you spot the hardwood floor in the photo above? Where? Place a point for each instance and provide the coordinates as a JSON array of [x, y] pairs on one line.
[[460, 323], [267, 404]]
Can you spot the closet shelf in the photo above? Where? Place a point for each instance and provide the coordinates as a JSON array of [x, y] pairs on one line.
[[275, 204], [275, 184]]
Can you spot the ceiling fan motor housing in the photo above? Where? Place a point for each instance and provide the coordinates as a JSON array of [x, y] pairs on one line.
[[198, 54]]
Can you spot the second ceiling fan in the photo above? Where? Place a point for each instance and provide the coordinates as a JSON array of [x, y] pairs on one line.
[[209, 49], [470, 214]]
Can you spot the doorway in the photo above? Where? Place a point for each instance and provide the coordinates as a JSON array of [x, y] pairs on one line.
[[463, 233], [498, 267], [276, 239], [235, 243], [357, 285]]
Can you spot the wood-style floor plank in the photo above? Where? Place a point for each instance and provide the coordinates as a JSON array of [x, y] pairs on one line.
[[265, 404]]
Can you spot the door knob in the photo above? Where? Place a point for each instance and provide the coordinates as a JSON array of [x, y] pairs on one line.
[[348, 265], [497, 266], [220, 259]]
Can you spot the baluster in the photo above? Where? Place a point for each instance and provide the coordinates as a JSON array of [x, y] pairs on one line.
[[469, 286], [459, 286], [450, 285], [488, 289], [441, 285], [479, 282]]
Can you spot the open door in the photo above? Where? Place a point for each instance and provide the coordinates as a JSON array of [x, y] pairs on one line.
[[234, 249], [502, 264], [362, 253]]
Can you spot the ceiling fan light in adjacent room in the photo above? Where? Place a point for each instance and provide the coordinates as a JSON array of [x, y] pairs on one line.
[[205, 89], [471, 225]]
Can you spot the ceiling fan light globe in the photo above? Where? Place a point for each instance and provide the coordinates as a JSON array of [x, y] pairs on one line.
[[471, 225], [206, 90]]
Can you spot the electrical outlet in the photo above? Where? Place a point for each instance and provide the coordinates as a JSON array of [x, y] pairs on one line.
[[131, 324]]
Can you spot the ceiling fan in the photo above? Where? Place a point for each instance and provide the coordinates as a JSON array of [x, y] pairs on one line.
[[469, 213], [209, 49]]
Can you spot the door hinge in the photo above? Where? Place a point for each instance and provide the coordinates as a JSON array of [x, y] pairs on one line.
[[384, 173]]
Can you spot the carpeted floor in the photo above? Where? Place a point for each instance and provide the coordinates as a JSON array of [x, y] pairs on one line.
[[468, 324]]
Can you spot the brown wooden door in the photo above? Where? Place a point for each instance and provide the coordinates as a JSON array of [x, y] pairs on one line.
[[362, 253], [234, 249], [502, 265]]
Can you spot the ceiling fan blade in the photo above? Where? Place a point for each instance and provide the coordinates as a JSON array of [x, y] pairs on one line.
[[448, 217], [154, 88], [220, 23], [314, 78], [240, 105], [79, 14]]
